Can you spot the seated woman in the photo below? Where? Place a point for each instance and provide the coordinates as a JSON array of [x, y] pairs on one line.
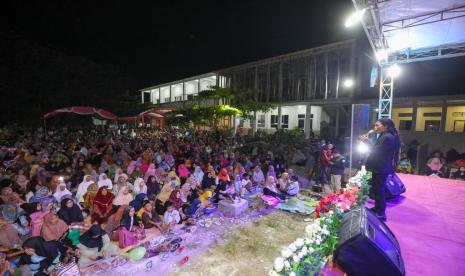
[[10, 212], [9, 237], [293, 188], [153, 187], [129, 232], [171, 217], [138, 201], [163, 197], [42, 256], [61, 191], [103, 205], [139, 186], [90, 195], [94, 245], [70, 212], [176, 201], [208, 181], [150, 217], [229, 193], [258, 177], [53, 228], [121, 201], [270, 189]]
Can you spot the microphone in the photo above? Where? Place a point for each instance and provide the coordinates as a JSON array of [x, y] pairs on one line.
[[370, 133]]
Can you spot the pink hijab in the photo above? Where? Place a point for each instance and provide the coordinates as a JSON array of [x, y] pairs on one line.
[[131, 167], [151, 171], [183, 171]]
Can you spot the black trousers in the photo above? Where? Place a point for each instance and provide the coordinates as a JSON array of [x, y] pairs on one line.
[[379, 192]]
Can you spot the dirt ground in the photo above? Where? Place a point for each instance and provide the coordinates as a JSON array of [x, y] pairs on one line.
[[248, 249]]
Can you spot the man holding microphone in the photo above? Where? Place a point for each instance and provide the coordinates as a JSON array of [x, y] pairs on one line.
[[382, 159]]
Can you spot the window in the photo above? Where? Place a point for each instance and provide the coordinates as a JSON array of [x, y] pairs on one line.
[[167, 100], [190, 97], [301, 122], [405, 125], [405, 114], [261, 120], [146, 97], [432, 114], [284, 121], [274, 121], [459, 126], [432, 125], [178, 98]]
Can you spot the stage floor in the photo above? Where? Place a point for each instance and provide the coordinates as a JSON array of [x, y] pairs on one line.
[[429, 223]]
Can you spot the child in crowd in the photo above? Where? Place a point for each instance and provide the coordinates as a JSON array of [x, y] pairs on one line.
[[171, 217], [293, 188], [460, 174]]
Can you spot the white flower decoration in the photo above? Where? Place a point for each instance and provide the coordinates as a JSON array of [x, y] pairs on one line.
[[279, 264], [287, 264]]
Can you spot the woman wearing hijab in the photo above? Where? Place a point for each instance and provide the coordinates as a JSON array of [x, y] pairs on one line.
[[61, 191], [258, 177], [129, 232], [42, 256], [10, 212], [53, 228], [131, 168], [9, 236], [270, 189], [222, 176], [95, 244], [102, 205], [138, 201], [208, 181], [123, 197], [151, 171], [40, 195], [139, 186], [198, 174], [104, 181], [82, 188], [90, 195], [70, 212], [153, 187]]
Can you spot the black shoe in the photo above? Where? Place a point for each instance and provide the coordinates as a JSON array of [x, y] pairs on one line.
[[382, 218]]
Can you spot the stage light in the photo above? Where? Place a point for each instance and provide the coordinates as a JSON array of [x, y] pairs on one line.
[[362, 148], [394, 71], [348, 83], [382, 55], [354, 18]]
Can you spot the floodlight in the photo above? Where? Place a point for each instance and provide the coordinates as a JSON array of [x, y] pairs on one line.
[[354, 18], [348, 83], [382, 55], [362, 148], [394, 71]]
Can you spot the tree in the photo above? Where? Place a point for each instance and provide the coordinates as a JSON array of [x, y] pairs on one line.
[[208, 107]]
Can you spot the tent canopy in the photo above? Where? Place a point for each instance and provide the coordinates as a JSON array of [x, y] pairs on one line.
[[414, 30], [82, 110]]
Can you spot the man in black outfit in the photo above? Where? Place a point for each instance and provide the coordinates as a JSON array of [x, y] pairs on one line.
[[383, 158]]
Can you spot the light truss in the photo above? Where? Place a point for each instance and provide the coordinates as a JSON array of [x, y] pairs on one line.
[[386, 90]]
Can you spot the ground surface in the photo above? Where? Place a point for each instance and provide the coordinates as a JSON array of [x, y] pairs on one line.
[[248, 249]]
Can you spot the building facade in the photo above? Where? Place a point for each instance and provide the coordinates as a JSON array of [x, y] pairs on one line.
[[305, 86]]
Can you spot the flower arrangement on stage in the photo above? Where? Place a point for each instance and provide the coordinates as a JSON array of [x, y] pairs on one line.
[[308, 255]]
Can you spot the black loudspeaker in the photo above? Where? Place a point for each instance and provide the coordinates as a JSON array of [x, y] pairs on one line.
[[367, 247], [394, 186]]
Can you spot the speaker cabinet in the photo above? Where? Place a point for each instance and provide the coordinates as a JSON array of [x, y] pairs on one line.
[[394, 186], [367, 247]]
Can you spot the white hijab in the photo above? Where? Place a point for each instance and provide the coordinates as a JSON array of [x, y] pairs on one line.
[[137, 187], [82, 188], [104, 182], [59, 193]]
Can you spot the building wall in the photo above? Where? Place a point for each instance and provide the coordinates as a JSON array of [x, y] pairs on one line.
[[452, 116], [421, 118], [293, 112], [443, 141], [395, 114]]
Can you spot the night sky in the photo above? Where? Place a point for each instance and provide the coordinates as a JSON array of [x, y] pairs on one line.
[[160, 41]]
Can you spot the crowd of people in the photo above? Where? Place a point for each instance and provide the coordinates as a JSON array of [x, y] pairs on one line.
[[75, 196]]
